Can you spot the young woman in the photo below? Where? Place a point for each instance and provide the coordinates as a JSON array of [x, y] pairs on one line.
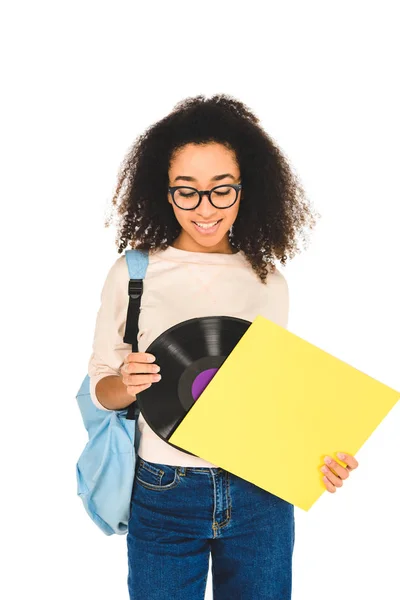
[[214, 201]]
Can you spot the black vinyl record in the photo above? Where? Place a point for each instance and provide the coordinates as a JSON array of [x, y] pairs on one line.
[[188, 354]]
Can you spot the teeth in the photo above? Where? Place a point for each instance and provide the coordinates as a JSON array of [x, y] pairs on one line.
[[208, 226]]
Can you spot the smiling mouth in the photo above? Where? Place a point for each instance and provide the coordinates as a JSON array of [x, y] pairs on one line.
[[206, 226]]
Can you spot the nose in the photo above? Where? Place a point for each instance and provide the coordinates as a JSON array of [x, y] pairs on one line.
[[205, 209]]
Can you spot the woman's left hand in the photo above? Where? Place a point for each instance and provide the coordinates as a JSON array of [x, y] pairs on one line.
[[334, 478]]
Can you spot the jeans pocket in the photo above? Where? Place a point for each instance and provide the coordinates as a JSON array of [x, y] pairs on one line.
[[154, 476]]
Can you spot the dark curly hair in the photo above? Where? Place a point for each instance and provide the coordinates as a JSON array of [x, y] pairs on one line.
[[273, 208]]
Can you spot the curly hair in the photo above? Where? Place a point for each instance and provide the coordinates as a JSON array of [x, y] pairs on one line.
[[273, 209]]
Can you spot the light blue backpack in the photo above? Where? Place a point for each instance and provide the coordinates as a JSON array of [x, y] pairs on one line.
[[106, 468]]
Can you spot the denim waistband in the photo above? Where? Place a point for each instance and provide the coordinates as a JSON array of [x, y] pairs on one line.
[[183, 470]]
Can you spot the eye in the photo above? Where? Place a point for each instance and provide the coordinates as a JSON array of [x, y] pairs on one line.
[[223, 191], [185, 193]]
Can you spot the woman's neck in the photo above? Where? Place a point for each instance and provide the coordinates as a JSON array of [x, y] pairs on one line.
[[185, 242]]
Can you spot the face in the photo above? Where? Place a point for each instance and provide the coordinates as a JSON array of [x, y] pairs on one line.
[[204, 167]]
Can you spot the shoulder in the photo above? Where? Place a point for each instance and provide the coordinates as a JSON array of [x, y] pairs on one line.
[[118, 269], [276, 280], [117, 276], [278, 286], [278, 297], [276, 276]]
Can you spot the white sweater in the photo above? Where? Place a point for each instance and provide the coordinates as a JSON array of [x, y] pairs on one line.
[[179, 285]]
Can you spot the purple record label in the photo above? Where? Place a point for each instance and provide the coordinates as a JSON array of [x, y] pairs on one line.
[[201, 382]]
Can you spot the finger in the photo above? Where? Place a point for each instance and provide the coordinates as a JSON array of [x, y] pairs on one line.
[[135, 367], [141, 379], [336, 481], [332, 464], [348, 459], [329, 486], [141, 357]]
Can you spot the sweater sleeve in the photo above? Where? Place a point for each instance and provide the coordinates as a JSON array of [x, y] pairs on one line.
[[109, 350], [278, 300]]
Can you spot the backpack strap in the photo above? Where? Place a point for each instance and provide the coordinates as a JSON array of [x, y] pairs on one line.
[[137, 261]]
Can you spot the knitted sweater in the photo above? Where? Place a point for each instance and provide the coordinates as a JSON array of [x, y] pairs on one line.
[[179, 285]]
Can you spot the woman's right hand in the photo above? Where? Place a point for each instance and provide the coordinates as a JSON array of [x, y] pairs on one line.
[[139, 372]]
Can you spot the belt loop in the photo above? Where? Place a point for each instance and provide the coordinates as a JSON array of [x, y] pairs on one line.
[[181, 470]]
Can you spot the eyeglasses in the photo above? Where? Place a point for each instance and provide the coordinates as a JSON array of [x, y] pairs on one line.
[[221, 196]]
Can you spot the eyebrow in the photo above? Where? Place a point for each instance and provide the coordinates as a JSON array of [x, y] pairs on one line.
[[215, 178]]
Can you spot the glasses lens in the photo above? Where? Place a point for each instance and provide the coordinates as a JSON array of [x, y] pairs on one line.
[[223, 196], [186, 197]]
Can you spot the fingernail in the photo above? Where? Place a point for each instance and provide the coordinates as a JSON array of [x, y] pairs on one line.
[[151, 358], [327, 460], [341, 455]]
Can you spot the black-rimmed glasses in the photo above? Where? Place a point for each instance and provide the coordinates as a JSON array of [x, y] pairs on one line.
[[189, 198]]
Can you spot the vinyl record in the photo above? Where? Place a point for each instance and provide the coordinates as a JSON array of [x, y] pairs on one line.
[[188, 354]]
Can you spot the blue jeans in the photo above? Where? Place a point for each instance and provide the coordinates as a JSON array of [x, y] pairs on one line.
[[179, 515]]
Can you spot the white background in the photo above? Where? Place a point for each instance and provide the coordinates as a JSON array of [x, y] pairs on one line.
[[80, 81]]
